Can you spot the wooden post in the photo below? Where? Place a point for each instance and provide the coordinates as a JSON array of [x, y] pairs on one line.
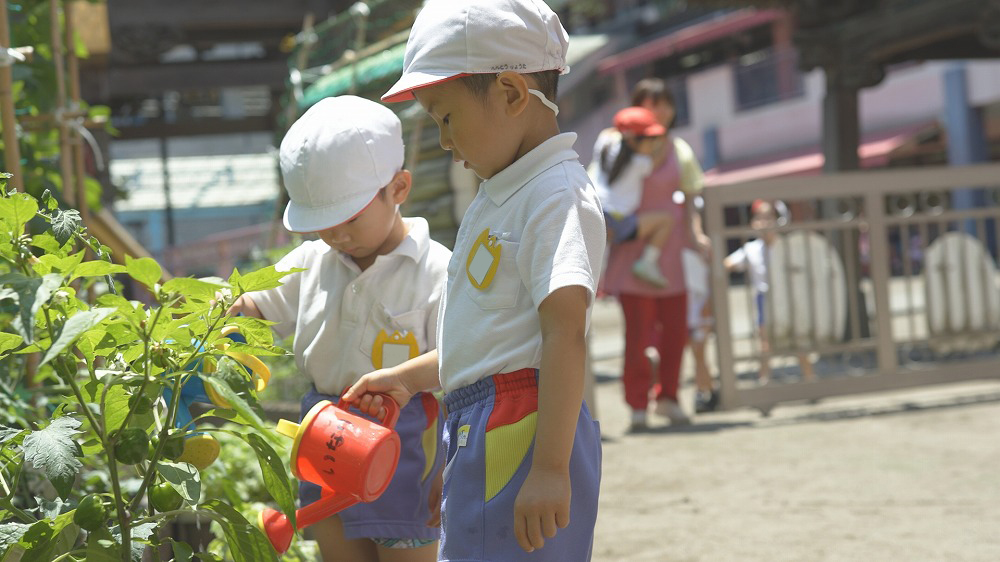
[[11, 150], [76, 139], [65, 156]]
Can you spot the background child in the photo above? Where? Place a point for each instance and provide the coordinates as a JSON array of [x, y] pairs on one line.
[[368, 298], [753, 258], [623, 161], [520, 441]]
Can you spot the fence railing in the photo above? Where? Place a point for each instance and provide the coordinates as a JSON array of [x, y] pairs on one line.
[[875, 280]]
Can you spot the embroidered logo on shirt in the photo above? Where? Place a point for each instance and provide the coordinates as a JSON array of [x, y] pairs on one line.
[[389, 351], [483, 261]]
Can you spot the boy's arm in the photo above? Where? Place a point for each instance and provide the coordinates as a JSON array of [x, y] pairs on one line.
[[542, 505], [400, 383], [245, 306]]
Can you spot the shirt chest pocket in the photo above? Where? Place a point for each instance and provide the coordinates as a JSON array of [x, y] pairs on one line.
[[499, 288], [390, 339]]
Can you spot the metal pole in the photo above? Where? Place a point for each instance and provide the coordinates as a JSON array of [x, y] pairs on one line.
[[11, 149]]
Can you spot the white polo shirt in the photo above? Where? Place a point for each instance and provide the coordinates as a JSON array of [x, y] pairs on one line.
[[337, 312], [546, 219]]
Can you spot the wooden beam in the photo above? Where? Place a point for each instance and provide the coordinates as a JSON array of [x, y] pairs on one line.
[[198, 14], [195, 127], [155, 79]]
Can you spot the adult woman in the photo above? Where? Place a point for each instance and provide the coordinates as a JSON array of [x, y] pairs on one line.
[[657, 317]]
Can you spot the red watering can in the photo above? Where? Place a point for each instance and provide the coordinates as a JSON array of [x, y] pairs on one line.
[[351, 458]]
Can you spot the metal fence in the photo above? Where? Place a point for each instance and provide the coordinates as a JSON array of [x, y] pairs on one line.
[[874, 280]]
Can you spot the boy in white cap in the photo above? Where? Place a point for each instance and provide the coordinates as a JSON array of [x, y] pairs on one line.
[[522, 470], [368, 298]]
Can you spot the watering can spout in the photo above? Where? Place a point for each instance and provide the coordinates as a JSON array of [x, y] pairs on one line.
[[279, 529], [287, 428]]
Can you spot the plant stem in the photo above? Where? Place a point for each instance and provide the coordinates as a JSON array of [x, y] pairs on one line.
[[18, 512]]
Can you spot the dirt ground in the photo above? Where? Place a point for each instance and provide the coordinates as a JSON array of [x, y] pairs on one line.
[[910, 476]]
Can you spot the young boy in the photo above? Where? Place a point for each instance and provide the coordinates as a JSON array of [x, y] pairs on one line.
[[753, 258], [369, 298], [520, 442]]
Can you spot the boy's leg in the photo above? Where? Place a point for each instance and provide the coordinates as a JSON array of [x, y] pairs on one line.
[[329, 535], [490, 435], [426, 553]]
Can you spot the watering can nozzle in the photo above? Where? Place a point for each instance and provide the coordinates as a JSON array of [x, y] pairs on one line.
[[287, 428]]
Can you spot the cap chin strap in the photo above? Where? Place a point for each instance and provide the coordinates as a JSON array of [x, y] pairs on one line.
[[548, 103]]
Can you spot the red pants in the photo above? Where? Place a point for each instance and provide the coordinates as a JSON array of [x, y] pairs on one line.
[[660, 322]]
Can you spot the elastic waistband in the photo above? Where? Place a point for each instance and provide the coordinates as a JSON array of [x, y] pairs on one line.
[[469, 395]]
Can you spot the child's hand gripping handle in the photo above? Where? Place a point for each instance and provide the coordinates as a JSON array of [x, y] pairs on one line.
[[391, 409]]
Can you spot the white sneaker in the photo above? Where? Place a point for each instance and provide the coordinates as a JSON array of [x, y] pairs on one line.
[[638, 423], [649, 272], [672, 411]]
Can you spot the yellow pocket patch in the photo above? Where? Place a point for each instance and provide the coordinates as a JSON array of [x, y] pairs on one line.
[[506, 447], [483, 260]]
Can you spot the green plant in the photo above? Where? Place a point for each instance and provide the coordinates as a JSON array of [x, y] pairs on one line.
[[71, 370]]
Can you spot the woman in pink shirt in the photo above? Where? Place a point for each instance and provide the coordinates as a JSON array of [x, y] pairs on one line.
[[657, 317]]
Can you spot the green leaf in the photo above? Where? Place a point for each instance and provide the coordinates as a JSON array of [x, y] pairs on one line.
[[61, 264], [10, 533], [9, 341], [257, 331], [38, 535], [246, 542], [144, 270], [194, 288], [51, 203], [64, 534], [97, 269], [183, 477], [275, 478], [47, 243], [32, 293], [11, 435], [53, 451], [65, 223], [72, 328], [101, 547], [265, 278], [116, 405], [137, 533], [182, 551], [231, 382], [17, 209]]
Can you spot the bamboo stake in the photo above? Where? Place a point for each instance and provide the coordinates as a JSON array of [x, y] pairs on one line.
[[65, 156], [12, 150]]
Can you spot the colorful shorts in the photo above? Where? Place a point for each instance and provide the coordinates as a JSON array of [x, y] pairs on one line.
[[489, 435], [402, 511]]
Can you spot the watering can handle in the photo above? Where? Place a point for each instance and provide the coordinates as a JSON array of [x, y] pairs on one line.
[[391, 409]]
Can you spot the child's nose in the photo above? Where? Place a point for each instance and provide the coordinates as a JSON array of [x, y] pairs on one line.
[[444, 140]]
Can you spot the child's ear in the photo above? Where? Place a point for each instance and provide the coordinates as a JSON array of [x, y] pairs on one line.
[[399, 187], [514, 87]]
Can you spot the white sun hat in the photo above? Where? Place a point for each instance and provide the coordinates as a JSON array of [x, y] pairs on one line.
[[335, 159], [451, 39]]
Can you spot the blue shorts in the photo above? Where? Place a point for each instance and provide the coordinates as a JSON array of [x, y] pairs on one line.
[[623, 227], [489, 435], [402, 511]]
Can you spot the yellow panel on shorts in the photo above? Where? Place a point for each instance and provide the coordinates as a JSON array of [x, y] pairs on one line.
[[429, 441], [506, 447]]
